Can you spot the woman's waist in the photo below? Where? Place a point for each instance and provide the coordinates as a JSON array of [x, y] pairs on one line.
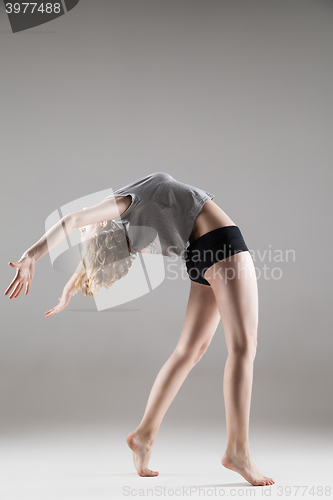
[[209, 218]]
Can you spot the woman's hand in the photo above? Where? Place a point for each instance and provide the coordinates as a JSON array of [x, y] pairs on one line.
[[25, 269], [64, 301]]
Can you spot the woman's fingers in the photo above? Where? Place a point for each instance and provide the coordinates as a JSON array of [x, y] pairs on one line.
[[11, 285], [14, 282], [14, 290], [19, 290], [55, 310], [49, 313], [24, 275]]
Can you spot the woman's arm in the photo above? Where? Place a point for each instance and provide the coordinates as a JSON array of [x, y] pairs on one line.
[[108, 209], [51, 238], [70, 285], [67, 293]]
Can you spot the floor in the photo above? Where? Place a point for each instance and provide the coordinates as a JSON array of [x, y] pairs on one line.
[[94, 462]]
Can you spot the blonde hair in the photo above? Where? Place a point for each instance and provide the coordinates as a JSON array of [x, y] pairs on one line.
[[106, 259]]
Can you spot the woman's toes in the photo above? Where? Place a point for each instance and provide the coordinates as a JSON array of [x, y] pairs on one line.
[[268, 480], [148, 473]]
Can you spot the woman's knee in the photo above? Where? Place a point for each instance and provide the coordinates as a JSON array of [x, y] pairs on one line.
[[244, 344], [191, 354], [199, 353]]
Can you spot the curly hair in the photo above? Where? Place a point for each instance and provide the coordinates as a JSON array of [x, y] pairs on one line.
[[106, 259]]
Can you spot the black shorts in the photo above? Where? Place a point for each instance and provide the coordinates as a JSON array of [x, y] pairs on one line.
[[210, 248]]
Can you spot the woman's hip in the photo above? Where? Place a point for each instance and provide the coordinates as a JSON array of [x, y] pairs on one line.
[[212, 247]]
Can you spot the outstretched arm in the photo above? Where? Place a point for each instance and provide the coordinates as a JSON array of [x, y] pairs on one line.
[[67, 293], [107, 209]]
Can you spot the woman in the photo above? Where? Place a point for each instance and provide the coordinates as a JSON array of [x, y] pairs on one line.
[[223, 285]]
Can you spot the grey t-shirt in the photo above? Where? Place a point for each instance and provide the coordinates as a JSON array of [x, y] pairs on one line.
[[164, 207]]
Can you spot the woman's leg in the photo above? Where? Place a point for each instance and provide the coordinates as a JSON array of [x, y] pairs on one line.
[[201, 320], [234, 283]]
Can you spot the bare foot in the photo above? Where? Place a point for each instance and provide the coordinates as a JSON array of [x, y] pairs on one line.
[[246, 468], [142, 448]]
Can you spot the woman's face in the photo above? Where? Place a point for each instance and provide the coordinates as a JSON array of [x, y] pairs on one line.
[[87, 232]]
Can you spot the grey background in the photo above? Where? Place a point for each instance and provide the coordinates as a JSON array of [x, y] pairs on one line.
[[234, 97]]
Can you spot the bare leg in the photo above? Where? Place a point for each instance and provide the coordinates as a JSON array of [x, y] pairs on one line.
[[234, 284], [201, 320]]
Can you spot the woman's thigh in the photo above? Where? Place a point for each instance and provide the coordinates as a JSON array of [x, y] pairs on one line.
[[201, 320], [234, 284]]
